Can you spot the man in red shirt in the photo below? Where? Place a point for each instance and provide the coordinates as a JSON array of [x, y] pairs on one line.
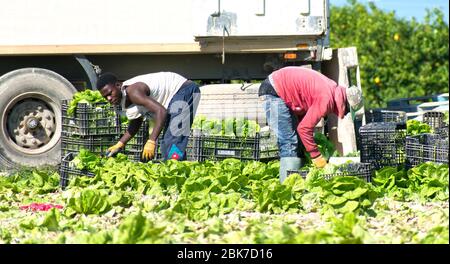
[[295, 100]]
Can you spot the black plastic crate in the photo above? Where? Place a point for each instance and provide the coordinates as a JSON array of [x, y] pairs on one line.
[[133, 148], [426, 147], [192, 149], [243, 148], [95, 144], [67, 173], [383, 115], [434, 119], [359, 170], [90, 119], [301, 172], [99, 144], [442, 131], [383, 144]]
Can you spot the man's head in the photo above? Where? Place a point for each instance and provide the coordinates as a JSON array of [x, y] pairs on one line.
[[109, 87], [354, 99]]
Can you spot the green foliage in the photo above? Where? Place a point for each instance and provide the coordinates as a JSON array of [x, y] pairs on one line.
[[325, 146], [227, 202], [84, 97], [137, 229], [414, 127], [87, 201], [428, 181], [227, 127], [398, 58]]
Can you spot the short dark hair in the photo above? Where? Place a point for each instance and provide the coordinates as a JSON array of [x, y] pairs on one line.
[[106, 78]]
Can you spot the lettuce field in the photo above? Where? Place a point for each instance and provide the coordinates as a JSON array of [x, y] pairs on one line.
[[222, 202]]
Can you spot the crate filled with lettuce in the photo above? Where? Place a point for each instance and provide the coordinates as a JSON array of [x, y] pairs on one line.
[[426, 147], [88, 122], [73, 165], [89, 114], [243, 139]]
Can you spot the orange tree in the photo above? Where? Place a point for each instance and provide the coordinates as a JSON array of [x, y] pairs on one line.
[[398, 57]]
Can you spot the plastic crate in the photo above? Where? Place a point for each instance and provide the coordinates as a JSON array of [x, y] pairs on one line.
[[382, 144], [256, 148], [426, 147], [442, 131], [360, 170], [99, 144], [383, 115], [90, 119], [133, 148], [66, 172], [95, 144], [191, 149], [434, 119], [301, 172]]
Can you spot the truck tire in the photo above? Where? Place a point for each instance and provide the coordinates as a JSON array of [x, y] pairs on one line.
[[30, 117]]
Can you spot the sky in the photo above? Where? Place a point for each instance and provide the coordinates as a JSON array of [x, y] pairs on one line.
[[405, 8]]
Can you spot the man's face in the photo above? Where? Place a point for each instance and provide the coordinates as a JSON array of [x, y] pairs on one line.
[[112, 93]]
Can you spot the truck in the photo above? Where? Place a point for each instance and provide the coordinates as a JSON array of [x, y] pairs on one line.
[[51, 49]]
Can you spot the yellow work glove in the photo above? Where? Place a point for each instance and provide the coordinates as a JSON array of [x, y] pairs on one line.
[[149, 150], [319, 161], [114, 149]]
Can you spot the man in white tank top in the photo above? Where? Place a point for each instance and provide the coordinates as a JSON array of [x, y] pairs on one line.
[[169, 97]]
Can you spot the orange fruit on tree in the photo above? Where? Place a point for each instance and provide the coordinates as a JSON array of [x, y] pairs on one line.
[[377, 80], [396, 37]]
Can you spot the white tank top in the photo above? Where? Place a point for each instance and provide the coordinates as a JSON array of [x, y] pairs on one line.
[[163, 86]]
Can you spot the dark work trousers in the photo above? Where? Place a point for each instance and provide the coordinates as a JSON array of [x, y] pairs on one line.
[[180, 115]]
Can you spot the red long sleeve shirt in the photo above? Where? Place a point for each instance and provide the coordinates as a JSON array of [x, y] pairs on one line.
[[310, 95]]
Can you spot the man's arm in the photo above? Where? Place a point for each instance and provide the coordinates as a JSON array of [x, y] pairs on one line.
[[306, 127], [132, 129], [138, 94]]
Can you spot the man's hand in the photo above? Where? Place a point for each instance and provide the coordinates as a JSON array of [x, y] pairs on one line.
[[114, 149], [319, 161], [149, 150]]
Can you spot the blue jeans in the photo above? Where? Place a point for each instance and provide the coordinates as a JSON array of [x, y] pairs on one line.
[[284, 124], [180, 115]]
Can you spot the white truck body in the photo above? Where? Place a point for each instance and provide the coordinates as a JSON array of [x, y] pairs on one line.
[[56, 22], [31, 26]]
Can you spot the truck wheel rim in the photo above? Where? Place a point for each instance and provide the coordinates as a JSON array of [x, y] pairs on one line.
[[31, 122]]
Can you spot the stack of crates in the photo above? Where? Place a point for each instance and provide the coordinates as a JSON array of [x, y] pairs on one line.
[[383, 144], [94, 127], [426, 147], [361, 170], [429, 147]]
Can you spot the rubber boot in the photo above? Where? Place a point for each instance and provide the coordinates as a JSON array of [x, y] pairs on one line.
[[286, 164]]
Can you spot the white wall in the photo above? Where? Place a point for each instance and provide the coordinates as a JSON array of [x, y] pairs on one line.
[[40, 22]]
